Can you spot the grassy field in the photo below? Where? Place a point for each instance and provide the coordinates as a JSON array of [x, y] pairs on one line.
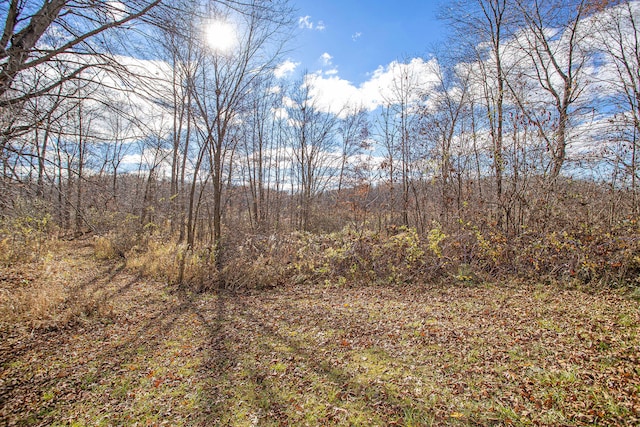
[[86, 343]]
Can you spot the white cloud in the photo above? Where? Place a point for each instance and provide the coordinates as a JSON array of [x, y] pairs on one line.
[[285, 69], [288, 102], [332, 93], [356, 36], [306, 23], [325, 59], [388, 83], [280, 113], [131, 161], [117, 10]]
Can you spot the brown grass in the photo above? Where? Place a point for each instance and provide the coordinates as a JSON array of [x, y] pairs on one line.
[[315, 354], [52, 291]]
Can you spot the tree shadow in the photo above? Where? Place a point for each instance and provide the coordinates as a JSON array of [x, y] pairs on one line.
[[273, 392], [49, 373], [83, 300], [248, 366]]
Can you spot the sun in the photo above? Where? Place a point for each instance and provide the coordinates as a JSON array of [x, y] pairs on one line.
[[221, 36]]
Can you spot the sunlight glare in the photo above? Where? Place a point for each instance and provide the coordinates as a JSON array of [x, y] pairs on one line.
[[221, 36]]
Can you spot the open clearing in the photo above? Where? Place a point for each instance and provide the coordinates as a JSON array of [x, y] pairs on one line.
[[142, 353]]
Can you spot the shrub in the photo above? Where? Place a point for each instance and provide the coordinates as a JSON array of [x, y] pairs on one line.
[[174, 263], [366, 256], [587, 255], [104, 248], [24, 236], [468, 254], [259, 273]]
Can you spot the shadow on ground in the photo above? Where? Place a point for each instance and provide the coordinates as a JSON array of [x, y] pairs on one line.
[[144, 353]]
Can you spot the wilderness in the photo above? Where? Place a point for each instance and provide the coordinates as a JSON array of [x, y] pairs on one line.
[[194, 233]]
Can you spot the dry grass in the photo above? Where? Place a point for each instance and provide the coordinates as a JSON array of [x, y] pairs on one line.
[[329, 355], [105, 249], [35, 306], [52, 292], [173, 263]]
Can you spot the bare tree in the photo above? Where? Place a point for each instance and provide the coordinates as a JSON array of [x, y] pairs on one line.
[[259, 146], [48, 51], [223, 83], [42, 33], [486, 25], [440, 122], [387, 135], [619, 36], [178, 47], [353, 131], [403, 99], [313, 144], [554, 43]]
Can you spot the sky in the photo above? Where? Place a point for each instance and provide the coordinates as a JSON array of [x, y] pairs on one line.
[[351, 39]]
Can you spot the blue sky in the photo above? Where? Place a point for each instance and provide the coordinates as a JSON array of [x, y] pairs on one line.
[[360, 35]]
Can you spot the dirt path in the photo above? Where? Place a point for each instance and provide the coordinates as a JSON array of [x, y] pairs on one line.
[[141, 353]]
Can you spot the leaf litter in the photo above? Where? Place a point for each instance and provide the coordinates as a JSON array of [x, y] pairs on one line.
[[150, 355]]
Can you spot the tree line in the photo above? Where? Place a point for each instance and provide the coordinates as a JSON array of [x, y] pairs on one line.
[[119, 113]]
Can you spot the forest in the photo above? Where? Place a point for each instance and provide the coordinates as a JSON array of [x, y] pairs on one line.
[[193, 234]]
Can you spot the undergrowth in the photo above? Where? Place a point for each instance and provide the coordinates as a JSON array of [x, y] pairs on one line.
[[25, 236], [57, 289], [353, 256]]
